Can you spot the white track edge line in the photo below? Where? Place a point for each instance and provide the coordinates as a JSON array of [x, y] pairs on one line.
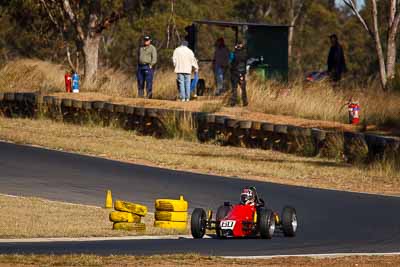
[[62, 202], [53, 201], [326, 255], [91, 239]]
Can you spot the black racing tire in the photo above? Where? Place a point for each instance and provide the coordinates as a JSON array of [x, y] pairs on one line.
[[198, 223], [289, 221], [222, 211], [266, 223]]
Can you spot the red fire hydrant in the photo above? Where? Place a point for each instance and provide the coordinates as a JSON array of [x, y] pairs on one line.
[[354, 112], [68, 82]]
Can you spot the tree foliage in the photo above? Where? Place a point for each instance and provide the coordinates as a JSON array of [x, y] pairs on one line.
[[27, 30]]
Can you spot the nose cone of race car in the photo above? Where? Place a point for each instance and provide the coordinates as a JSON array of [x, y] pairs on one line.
[[238, 221]]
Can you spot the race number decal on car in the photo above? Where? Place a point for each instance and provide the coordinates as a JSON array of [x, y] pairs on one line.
[[227, 225]]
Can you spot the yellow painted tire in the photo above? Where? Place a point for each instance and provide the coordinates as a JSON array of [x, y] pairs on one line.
[[130, 207], [170, 225], [175, 216], [121, 216], [171, 205], [129, 226]]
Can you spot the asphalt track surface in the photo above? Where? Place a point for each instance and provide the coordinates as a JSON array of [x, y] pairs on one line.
[[330, 221]]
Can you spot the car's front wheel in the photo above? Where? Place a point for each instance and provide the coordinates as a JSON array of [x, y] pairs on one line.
[[266, 223], [198, 223], [289, 221]]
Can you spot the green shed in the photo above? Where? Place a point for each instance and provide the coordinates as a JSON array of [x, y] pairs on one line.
[[267, 45]]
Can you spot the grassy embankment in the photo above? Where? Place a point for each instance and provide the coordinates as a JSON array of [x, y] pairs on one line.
[[318, 101], [192, 260]]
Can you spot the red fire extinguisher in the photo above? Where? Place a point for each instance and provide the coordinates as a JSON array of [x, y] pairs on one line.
[[354, 112], [68, 82]]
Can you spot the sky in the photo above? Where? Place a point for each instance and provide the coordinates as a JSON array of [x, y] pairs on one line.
[[360, 2]]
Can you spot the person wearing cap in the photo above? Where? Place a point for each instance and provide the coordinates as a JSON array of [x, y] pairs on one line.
[[184, 62], [147, 58], [336, 60], [238, 73]]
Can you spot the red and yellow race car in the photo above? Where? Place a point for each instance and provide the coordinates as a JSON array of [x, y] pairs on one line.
[[249, 218]]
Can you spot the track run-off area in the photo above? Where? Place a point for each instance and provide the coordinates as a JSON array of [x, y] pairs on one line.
[[329, 221]]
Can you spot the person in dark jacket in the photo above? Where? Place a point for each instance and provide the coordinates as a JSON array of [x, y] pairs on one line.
[[336, 60], [238, 74]]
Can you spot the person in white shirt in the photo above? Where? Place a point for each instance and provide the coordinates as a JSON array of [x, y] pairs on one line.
[[184, 61]]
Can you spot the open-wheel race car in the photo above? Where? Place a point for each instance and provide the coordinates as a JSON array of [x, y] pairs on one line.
[[249, 218]]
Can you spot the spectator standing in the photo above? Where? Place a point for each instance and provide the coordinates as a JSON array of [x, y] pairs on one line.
[[220, 65], [238, 73], [336, 60], [147, 58], [184, 61]]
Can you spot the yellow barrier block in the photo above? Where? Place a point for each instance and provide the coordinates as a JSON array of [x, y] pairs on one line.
[[171, 225], [122, 216], [129, 226], [171, 204], [130, 207], [174, 216]]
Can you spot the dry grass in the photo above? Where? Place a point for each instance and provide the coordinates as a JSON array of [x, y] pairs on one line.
[[322, 102], [191, 260], [317, 101], [35, 217], [205, 158], [31, 75], [182, 128], [35, 75]]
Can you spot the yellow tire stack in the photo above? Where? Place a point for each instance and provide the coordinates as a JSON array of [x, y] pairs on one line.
[[127, 216], [171, 213]]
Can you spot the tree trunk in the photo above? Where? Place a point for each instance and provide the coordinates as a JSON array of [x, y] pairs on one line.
[[381, 60], [387, 70], [290, 41], [91, 56], [391, 42], [378, 45], [291, 29], [294, 14], [391, 58]]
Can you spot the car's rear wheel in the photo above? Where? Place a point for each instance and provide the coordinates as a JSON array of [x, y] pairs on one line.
[[222, 211], [289, 221], [198, 223], [266, 223]]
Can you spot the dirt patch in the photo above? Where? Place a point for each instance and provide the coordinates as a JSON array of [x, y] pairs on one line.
[[235, 112], [244, 114], [141, 102]]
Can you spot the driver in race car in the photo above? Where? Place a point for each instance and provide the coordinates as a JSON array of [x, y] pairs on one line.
[[248, 196]]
